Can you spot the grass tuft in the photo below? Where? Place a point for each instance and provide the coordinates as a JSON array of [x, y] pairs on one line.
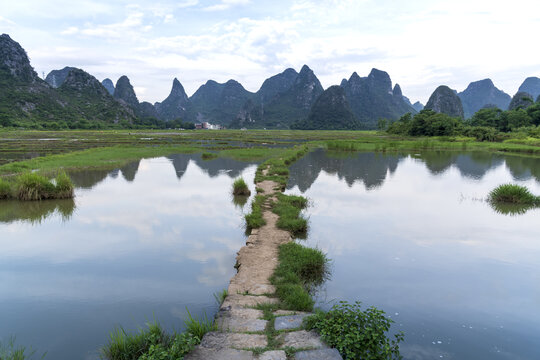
[[208, 156], [240, 187], [289, 207], [255, 220], [300, 270], [513, 194], [10, 351], [199, 327]]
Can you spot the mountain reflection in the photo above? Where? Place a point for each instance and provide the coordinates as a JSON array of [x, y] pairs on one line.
[[372, 168], [213, 167]]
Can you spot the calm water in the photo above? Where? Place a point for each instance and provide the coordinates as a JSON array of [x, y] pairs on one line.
[[412, 235], [138, 243]]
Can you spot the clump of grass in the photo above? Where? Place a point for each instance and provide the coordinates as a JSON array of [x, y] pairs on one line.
[[64, 186], [199, 327], [10, 351], [300, 270], [148, 344], [513, 194], [240, 187], [208, 156], [5, 189], [31, 186], [220, 296], [255, 219], [289, 207]]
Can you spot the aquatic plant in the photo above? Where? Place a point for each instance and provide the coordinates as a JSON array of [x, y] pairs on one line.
[[300, 270], [220, 296], [10, 351], [151, 343], [513, 194], [357, 333], [199, 327], [240, 187]]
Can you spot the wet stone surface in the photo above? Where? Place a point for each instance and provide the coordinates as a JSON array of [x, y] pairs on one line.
[[324, 354], [289, 322]]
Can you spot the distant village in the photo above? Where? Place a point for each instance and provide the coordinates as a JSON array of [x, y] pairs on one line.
[[208, 126]]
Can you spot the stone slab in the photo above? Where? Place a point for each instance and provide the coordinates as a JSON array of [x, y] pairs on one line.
[[323, 354], [218, 340], [201, 353], [289, 322], [273, 355], [302, 340], [237, 300], [239, 324]]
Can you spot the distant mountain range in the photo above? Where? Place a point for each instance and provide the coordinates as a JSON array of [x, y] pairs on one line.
[[70, 96]]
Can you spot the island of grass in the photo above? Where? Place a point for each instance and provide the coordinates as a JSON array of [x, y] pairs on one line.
[[513, 194], [240, 188], [32, 186]]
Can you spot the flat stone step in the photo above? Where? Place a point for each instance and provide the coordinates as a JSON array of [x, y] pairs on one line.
[[219, 340], [200, 353], [324, 354], [273, 355], [290, 312], [302, 340], [239, 324], [289, 322], [237, 300]]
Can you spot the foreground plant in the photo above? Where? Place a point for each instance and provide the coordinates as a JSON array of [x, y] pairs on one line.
[[10, 351], [357, 333], [240, 187]]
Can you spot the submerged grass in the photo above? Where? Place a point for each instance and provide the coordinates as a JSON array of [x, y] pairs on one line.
[[300, 270]]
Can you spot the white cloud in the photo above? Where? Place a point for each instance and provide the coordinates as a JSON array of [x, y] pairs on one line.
[[226, 4]]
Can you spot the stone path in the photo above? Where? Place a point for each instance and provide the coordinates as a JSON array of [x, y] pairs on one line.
[[240, 326]]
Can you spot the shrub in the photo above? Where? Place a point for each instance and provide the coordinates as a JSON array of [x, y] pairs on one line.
[[513, 194], [240, 187], [357, 334]]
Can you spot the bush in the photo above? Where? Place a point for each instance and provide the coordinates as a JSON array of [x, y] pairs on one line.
[[483, 133], [426, 123], [357, 334]]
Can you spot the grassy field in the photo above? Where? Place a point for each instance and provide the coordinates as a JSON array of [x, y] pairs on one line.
[[47, 151]]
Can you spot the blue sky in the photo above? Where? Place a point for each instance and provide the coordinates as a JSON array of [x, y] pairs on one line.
[[421, 44]]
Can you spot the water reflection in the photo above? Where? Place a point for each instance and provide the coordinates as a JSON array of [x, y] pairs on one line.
[[372, 169], [141, 244], [35, 211], [460, 279]]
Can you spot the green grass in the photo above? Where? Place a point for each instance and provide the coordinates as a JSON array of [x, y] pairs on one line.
[[240, 187], [289, 207], [152, 343], [300, 270], [513, 194], [199, 327], [208, 156], [32, 186], [255, 220], [220, 296], [11, 351]]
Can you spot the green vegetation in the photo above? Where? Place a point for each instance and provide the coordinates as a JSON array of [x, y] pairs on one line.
[[300, 270], [357, 333], [288, 207], [148, 344], [276, 168], [208, 156], [11, 351], [255, 220], [220, 296], [513, 194], [32, 186], [35, 211], [199, 327], [240, 187]]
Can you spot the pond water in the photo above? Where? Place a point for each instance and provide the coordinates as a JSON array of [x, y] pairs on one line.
[[412, 235], [139, 243]]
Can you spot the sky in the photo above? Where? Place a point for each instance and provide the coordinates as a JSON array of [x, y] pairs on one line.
[[421, 44]]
